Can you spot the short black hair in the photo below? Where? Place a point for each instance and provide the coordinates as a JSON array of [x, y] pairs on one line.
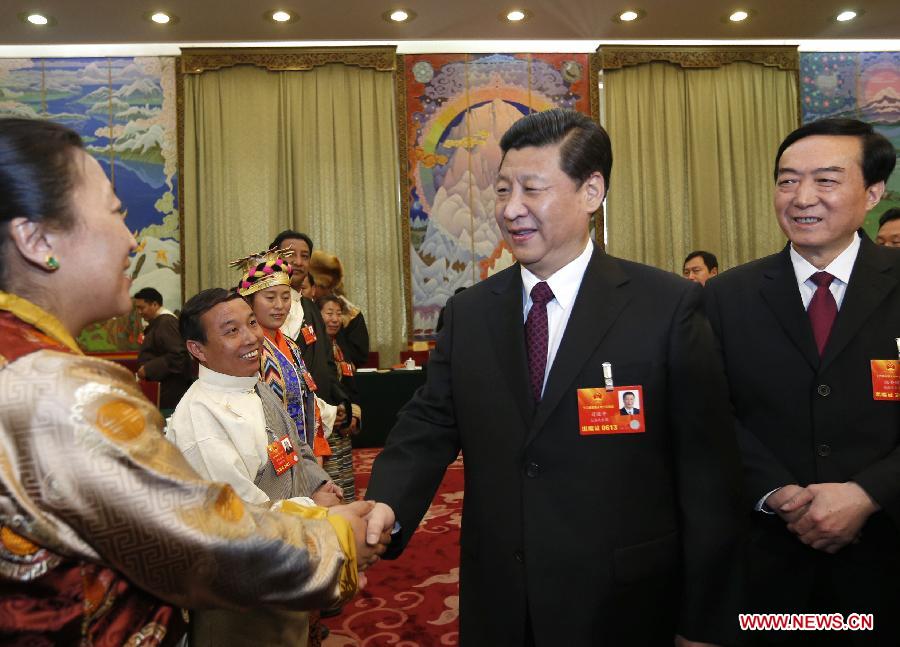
[[585, 145], [150, 295], [878, 154], [631, 393], [290, 233], [887, 216], [189, 324], [709, 259], [312, 279], [330, 298], [37, 175]]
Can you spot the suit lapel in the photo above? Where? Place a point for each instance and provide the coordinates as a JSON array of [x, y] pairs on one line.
[[869, 285], [507, 328], [778, 287], [601, 298]]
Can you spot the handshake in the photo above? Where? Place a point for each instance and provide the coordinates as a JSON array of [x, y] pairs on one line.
[[372, 524]]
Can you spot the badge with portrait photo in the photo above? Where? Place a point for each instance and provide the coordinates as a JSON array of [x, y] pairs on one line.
[[615, 411], [283, 455], [886, 379], [309, 334]]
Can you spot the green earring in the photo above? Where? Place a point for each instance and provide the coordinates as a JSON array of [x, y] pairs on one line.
[[51, 263]]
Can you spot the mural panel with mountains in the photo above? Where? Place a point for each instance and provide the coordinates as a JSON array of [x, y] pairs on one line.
[[857, 85], [124, 110]]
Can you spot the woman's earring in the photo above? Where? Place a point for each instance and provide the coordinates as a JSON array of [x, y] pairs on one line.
[[51, 263]]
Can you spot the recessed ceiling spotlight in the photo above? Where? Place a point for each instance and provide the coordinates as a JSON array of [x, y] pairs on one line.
[[629, 15], [281, 15], [516, 15], [160, 18], [399, 15], [738, 16], [37, 19], [846, 16]]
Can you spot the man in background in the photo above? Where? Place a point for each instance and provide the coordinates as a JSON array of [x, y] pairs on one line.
[[889, 228], [700, 266], [163, 357], [808, 337]]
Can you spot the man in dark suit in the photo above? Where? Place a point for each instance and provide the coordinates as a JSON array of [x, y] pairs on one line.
[[821, 448], [163, 356], [572, 535]]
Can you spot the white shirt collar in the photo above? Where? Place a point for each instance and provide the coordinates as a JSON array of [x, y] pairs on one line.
[[565, 281], [841, 267], [226, 383]]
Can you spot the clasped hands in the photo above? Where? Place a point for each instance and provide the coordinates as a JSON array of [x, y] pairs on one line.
[[372, 524], [825, 516]]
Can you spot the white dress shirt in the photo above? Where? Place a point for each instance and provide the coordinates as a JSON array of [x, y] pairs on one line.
[[840, 268], [564, 284]]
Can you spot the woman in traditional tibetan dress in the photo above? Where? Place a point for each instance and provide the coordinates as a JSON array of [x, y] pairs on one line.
[[105, 530]]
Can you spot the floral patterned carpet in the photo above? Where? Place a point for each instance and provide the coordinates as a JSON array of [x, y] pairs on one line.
[[412, 601]]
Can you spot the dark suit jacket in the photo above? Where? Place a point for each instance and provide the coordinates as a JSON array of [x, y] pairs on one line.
[[802, 419], [624, 411], [166, 360], [601, 539], [319, 357]]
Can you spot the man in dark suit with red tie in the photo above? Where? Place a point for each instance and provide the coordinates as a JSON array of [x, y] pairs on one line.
[[573, 534], [818, 422]]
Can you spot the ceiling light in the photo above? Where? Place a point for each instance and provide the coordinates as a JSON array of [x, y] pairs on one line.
[[844, 16], [281, 16], [629, 15], [516, 15], [399, 15], [738, 16], [36, 19], [160, 18]]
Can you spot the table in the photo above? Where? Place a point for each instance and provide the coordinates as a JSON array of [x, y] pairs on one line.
[[381, 396]]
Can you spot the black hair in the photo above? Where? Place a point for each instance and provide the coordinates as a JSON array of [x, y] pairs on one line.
[[290, 233], [585, 145], [329, 298], [887, 216], [631, 393], [189, 324], [878, 154], [150, 295], [709, 259], [312, 279], [37, 174]]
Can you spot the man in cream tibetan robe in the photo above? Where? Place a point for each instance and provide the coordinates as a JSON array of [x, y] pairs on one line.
[[231, 428]]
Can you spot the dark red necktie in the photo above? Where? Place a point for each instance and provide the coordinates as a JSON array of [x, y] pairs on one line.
[[822, 309], [536, 335]]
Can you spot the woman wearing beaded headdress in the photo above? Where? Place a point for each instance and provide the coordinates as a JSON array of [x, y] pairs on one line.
[[265, 285], [105, 530]]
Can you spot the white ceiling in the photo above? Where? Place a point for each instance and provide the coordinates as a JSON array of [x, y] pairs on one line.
[[220, 22]]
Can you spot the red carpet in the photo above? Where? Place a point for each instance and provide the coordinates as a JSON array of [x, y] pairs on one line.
[[412, 601]]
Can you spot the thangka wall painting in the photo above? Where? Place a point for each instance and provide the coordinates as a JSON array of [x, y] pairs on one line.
[[455, 110], [124, 110], [858, 85]]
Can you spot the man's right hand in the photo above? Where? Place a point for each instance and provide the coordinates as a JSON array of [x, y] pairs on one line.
[[380, 524], [355, 513], [798, 497]]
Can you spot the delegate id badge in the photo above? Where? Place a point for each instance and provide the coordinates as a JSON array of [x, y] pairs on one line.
[[310, 382], [346, 369], [283, 455], [886, 379], [309, 334], [616, 410]]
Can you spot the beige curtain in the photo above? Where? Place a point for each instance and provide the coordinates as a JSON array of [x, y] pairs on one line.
[[693, 151], [314, 151]]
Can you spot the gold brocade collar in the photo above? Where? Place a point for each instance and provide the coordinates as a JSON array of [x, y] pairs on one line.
[[39, 318]]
